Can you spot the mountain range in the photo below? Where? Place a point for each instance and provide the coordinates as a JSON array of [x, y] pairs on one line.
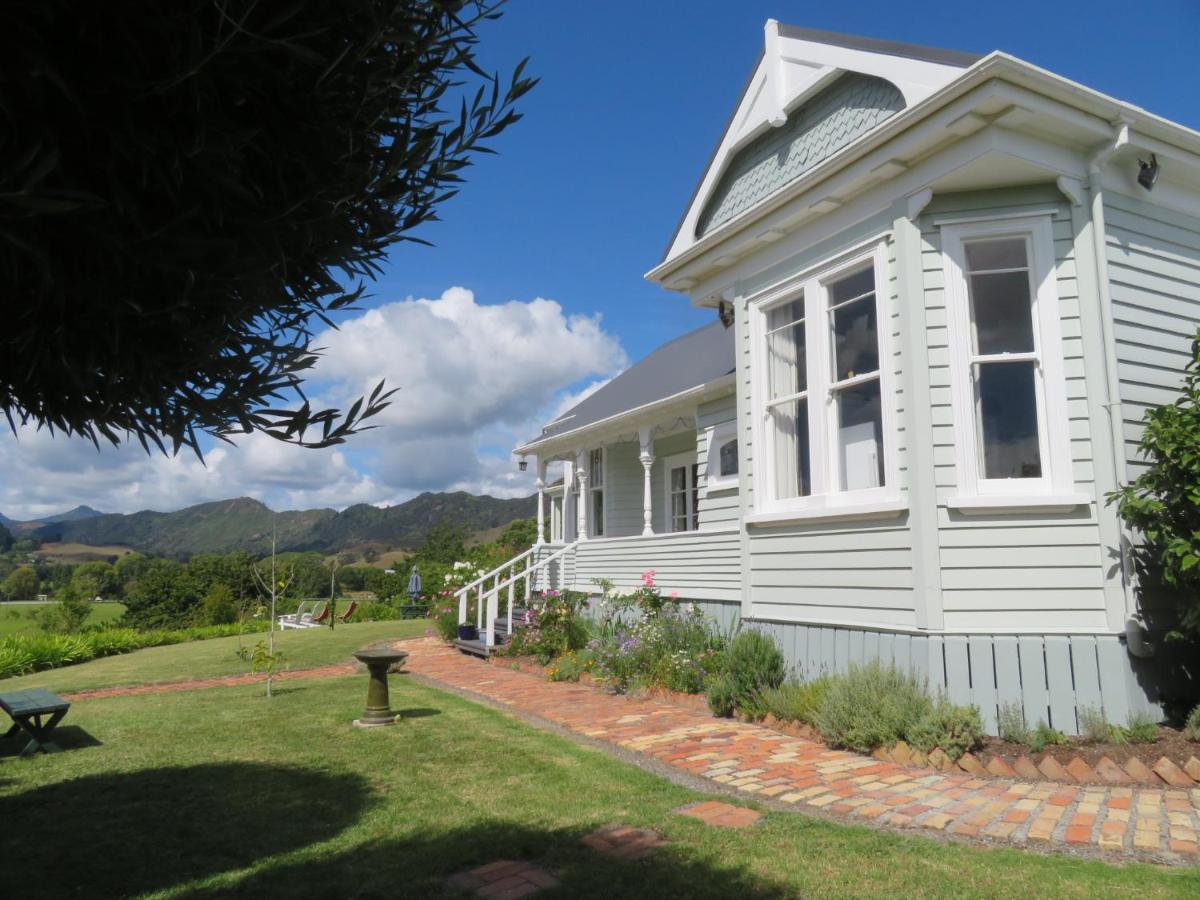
[[246, 524]]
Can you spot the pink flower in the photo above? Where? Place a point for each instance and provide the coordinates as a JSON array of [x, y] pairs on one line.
[[674, 595], [648, 577]]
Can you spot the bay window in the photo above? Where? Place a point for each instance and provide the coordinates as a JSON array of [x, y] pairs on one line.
[[823, 421], [1007, 378]]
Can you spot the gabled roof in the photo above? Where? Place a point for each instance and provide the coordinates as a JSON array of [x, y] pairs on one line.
[[694, 360], [796, 66]]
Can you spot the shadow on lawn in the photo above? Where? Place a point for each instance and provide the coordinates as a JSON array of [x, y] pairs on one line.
[[67, 737], [121, 834], [419, 867]]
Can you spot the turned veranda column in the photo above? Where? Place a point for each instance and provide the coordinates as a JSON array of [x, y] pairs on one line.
[[646, 455]]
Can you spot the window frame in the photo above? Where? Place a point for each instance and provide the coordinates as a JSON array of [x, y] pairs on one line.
[[718, 435], [593, 487], [687, 462], [825, 497], [1057, 478]]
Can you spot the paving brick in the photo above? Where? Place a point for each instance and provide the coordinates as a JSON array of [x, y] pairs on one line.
[[1080, 771], [1148, 812], [1192, 767]]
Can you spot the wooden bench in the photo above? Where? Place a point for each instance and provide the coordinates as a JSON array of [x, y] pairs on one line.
[[37, 712]]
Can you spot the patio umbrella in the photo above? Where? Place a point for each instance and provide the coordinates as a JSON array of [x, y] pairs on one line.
[[414, 583]]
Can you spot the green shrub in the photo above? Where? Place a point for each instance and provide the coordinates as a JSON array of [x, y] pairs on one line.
[[1095, 728], [755, 665], [21, 654], [721, 695], [956, 729], [1142, 728], [872, 706], [445, 618], [570, 666], [1191, 725], [1011, 724], [218, 607], [1044, 736], [377, 611], [797, 701]]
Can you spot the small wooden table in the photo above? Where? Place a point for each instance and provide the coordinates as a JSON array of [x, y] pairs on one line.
[[37, 712]]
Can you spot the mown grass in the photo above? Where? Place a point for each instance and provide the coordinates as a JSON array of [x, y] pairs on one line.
[[212, 658], [224, 792], [22, 618]]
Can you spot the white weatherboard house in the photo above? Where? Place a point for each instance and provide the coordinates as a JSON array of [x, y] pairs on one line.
[[955, 284]]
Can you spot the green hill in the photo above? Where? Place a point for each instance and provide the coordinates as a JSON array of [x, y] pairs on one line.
[[246, 524]]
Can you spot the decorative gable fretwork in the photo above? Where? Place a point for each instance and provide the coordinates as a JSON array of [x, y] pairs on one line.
[[833, 118]]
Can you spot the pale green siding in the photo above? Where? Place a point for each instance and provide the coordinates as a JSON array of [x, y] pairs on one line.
[[1154, 277], [819, 571], [718, 508], [1014, 570]]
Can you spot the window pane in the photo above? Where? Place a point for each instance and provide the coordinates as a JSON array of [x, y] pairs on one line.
[[855, 339], [596, 465], [695, 497], [786, 361], [1007, 253], [597, 512], [789, 426], [860, 436], [861, 282], [678, 477], [1002, 313], [729, 458], [785, 314], [1008, 420]]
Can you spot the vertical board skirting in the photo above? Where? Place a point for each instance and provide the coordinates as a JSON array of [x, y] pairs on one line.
[[1049, 677], [983, 679]]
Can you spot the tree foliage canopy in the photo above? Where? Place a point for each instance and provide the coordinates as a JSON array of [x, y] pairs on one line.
[[1163, 502], [187, 187]]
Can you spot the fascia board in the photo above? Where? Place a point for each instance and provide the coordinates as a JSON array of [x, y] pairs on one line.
[[629, 418]]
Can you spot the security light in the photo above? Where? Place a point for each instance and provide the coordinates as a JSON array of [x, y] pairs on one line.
[[523, 464], [1148, 173]]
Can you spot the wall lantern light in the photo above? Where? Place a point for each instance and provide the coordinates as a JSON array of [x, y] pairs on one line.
[[1148, 172]]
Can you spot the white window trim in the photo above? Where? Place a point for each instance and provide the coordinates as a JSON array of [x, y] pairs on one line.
[[824, 501], [719, 434], [593, 487], [687, 460], [1055, 489]]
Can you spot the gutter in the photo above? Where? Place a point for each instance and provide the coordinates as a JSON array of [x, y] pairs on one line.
[[699, 392]]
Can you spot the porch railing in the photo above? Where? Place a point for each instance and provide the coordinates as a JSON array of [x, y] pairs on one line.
[[488, 598]]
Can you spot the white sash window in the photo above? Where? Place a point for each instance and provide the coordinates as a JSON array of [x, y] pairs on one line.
[[823, 391], [1007, 374]]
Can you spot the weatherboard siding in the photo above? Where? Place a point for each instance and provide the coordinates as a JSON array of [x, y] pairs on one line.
[[1006, 572], [698, 565], [1153, 257], [718, 508], [861, 572]]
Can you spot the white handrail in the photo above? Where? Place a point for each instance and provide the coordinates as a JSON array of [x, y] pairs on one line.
[[496, 571], [488, 598]]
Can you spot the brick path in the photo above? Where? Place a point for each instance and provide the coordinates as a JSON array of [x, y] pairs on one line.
[[166, 687], [1113, 822]]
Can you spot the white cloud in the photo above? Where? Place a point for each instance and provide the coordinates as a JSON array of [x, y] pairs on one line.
[[473, 379]]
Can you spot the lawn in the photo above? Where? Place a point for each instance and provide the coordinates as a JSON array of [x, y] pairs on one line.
[[302, 648], [21, 618], [223, 792]]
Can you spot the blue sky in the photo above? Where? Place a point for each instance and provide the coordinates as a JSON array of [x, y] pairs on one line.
[[579, 202]]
